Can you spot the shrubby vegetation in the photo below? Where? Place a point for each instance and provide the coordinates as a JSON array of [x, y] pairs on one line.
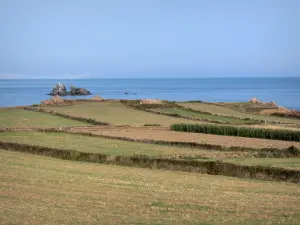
[[286, 135]]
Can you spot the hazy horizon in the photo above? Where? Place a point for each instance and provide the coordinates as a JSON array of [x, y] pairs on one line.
[[137, 78], [117, 39]]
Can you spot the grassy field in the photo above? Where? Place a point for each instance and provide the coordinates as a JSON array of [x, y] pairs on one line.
[[174, 136], [289, 163], [117, 147], [41, 190], [105, 146], [24, 118], [197, 115], [117, 114], [229, 111]]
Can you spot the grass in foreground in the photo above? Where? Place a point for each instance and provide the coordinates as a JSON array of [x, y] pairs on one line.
[[37, 190], [105, 146], [24, 118], [116, 113]]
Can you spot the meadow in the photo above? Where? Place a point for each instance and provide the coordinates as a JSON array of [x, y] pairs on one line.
[[112, 147], [129, 170], [24, 118], [116, 113], [239, 110], [203, 116], [158, 134], [103, 145], [37, 190]]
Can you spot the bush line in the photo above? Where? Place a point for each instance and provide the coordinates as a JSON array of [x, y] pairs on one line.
[[285, 135], [81, 119], [209, 167]]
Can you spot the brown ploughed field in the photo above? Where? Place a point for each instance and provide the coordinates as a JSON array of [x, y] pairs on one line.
[[167, 135]]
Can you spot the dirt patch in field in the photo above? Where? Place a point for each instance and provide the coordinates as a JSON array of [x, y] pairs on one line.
[[167, 135]]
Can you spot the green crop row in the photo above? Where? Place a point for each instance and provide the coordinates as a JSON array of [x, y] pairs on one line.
[[285, 135]]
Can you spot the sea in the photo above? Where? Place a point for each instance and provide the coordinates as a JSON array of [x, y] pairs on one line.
[[284, 91]]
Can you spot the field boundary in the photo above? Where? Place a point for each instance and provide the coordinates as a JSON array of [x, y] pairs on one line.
[[208, 167]]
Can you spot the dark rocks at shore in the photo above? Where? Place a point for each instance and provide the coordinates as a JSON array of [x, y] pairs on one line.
[[78, 91], [61, 90]]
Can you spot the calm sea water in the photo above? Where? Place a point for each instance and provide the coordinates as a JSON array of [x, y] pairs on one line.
[[284, 91]]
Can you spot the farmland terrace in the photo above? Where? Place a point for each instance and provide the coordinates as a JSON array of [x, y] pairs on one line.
[[129, 161]]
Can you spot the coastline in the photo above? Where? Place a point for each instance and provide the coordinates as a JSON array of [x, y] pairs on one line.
[[284, 91]]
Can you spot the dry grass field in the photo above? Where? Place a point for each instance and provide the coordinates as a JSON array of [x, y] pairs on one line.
[[117, 114], [24, 118], [166, 135], [41, 190]]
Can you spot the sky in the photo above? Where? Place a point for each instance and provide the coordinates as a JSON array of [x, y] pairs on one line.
[[149, 38]]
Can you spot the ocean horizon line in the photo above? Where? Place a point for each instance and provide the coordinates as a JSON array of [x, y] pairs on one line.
[[149, 78]]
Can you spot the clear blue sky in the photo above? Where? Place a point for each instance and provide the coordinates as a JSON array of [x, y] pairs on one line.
[[149, 38]]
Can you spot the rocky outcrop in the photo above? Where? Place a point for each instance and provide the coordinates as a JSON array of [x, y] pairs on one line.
[[150, 101], [279, 110], [56, 100], [256, 101], [61, 90], [78, 91], [97, 98]]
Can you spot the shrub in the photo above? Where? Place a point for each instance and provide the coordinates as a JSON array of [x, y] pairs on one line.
[[152, 125], [286, 135]]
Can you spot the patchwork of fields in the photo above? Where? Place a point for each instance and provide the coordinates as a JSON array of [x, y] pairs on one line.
[[117, 114], [167, 135], [230, 111], [37, 189]]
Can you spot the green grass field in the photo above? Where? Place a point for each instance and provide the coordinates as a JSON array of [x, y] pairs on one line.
[[102, 145], [118, 147], [24, 118], [197, 115], [227, 111], [117, 114], [41, 190]]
